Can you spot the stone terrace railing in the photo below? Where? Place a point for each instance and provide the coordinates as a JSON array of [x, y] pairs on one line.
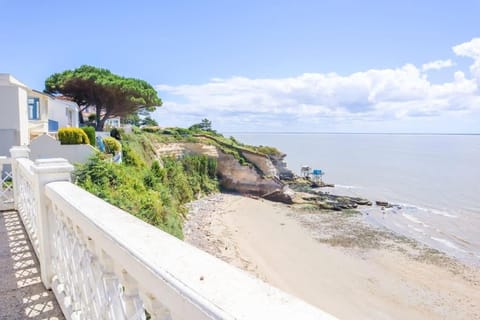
[[6, 187], [103, 263]]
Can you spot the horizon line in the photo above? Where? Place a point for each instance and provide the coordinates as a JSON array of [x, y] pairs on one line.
[[372, 133]]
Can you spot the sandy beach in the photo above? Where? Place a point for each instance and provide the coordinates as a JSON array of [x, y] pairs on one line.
[[334, 261]]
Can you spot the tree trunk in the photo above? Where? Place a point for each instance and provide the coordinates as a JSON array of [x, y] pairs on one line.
[[100, 123], [80, 117]]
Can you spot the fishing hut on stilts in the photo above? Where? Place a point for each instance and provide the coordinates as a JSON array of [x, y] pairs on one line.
[[315, 175]]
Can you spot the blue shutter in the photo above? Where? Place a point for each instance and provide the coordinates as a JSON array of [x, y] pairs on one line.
[[52, 125]]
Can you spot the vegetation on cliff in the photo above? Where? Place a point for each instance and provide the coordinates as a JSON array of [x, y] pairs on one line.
[[154, 193]]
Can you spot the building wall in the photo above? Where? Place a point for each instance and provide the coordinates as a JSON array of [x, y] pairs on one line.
[[23, 116], [14, 113], [58, 111], [8, 138], [8, 107]]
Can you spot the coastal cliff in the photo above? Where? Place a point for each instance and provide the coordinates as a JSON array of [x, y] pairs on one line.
[[258, 176], [249, 170]]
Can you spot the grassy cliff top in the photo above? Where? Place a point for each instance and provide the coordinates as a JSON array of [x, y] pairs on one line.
[[143, 142]]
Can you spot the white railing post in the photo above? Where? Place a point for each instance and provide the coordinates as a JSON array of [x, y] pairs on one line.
[[16, 153], [46, 171]]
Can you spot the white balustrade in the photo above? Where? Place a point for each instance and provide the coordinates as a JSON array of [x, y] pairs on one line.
[[6, 186], [103, 263], [24, 194]]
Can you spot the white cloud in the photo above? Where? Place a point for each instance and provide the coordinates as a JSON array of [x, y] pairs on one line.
[[372, 95], [437, 65], [471, 49]]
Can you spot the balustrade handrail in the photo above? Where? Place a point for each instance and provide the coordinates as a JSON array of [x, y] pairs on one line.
[[104, 263]]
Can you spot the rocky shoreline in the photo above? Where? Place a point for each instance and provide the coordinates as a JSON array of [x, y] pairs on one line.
[[335, 227]]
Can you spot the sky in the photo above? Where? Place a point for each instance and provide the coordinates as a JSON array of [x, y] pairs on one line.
[[267, 66]]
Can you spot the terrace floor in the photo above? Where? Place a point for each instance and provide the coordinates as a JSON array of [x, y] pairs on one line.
[[22, 293]]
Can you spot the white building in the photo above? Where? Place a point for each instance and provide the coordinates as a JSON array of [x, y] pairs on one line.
[[113, 123], [26, 113], [47, 113]]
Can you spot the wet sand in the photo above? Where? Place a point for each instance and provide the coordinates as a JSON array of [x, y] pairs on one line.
[[335, 261]]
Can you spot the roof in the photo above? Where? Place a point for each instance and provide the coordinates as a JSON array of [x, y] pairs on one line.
[[43, 93], [7, 79], [64, 98]]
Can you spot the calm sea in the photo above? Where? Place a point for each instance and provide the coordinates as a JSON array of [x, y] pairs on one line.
[[435, 180]]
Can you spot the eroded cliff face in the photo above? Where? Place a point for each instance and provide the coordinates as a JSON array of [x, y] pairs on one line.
[[263, 163], [280, 165], [244, 179], [259, 179], [179, 149]]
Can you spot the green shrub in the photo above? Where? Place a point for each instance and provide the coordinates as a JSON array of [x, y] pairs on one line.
[[115, 133], [90, 132], [72, 136], [272, 151], [156, 169], [151, 129], [183, 131], [130, 157], [112, 145], [136, 130]]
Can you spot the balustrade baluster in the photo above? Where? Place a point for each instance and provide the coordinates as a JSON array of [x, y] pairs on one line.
[[111, 288], [133, 303], [156, 309]]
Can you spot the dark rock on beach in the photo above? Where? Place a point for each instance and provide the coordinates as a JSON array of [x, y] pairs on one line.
[[278, 196], [384, 204], [314, 197]]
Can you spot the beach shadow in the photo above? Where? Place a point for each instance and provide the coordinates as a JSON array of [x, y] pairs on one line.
[[23, 295]]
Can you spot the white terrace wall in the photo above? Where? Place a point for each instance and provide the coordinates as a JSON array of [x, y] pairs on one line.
[[103, 263], [45, 146]]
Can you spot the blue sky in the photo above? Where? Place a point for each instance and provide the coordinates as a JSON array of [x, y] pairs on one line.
[[349, 66]]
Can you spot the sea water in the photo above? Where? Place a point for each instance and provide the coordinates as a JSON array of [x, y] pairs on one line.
[[434, 180]]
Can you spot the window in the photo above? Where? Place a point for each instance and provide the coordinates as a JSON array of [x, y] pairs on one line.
[[69, 117], [33, 109]]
